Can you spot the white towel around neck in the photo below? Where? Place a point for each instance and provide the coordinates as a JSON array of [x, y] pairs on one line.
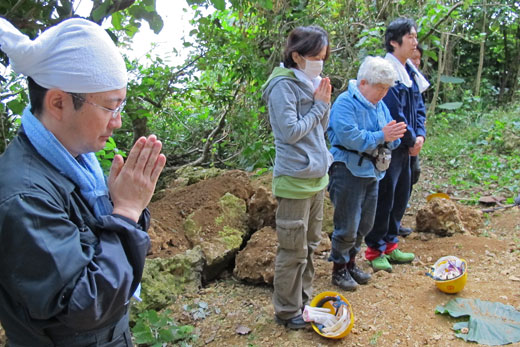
[[404, 77]]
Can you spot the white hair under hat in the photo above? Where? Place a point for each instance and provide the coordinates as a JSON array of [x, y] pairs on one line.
[[76, 56]]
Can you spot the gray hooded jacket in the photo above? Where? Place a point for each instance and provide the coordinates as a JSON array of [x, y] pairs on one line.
[[299, 123]]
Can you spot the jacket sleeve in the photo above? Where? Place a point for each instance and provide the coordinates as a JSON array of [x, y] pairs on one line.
[[421, 117], [388, 118], [291, 126], [82, 277], [395, 100], [347, 131], [326, 118]]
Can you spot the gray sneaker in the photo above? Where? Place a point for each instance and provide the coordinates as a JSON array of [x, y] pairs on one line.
[[344, 280]]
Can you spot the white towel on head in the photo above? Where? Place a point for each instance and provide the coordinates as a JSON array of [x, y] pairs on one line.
[[404, 77], [76, 56]]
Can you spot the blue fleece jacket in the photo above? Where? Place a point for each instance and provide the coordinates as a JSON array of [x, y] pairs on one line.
[[356, 124]]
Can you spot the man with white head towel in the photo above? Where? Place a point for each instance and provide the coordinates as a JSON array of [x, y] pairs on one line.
[[72, 244]]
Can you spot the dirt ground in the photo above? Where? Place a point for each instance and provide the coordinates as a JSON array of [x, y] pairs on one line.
[[393, 309]]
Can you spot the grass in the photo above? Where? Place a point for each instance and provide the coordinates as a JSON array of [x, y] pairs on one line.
[[476, 152]]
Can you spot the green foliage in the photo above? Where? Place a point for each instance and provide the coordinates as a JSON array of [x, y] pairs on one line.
[[129, 19], [32, 17], [209, 111], [155, 329], [478, 152], [106, 155], [13, 100]]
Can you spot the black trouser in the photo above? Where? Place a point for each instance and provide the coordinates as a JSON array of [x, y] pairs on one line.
[[114, 335], [393, 195]]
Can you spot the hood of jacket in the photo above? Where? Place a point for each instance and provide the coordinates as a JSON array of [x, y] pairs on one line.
[[278, 74]]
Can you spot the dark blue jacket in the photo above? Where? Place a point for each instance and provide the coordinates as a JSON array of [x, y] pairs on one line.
[[62, 271], [407, 105]]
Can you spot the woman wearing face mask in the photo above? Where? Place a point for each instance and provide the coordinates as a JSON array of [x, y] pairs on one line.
[[299, 102]]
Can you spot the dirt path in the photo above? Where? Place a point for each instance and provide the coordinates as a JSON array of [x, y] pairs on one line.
[[393, 309]]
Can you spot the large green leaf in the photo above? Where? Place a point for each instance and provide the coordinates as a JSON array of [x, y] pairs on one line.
[[219, 4], [490, 323], [450, 105], [451, 79]]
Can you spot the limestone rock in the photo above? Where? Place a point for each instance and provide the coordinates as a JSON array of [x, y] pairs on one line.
[[472, 218], [445, 217], [219, 230], [162, 237], [189, 175], [328, 214], [262, 209], [325, 243], [255, 263], [166, 278]]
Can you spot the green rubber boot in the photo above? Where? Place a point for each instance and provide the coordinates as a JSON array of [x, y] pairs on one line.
[[381, 263], [399, 257]]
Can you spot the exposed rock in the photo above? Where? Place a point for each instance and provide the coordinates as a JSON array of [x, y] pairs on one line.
[[189, 175], [171, 211], [219, 231], [262, 209], [165, 278], [445, 217], [163, 238], [328, 214], [472, 218], [255, 263], [325, 243]]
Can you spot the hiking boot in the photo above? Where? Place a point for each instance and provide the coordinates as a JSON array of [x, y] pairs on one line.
[[398, 257], [292, 323], [357, 274], [381, 263], [404, 231], [344, 280]]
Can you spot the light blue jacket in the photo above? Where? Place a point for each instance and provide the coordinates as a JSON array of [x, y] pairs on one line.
[[356, 124]]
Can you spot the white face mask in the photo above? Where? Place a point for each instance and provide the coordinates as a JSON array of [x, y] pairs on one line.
[[313, 68]]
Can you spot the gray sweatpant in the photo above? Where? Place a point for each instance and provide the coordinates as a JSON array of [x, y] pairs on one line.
[[298, 227]]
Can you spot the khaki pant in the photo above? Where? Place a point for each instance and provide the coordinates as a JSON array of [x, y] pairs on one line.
[[298, 227]]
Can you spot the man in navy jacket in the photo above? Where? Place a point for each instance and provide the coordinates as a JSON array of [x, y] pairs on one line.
[[406, 105]]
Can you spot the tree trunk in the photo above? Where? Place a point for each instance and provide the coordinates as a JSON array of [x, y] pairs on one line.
[[482, 49], [443, 50], [139, 127]]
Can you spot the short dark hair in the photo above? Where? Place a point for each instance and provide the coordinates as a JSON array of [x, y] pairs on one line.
[[396, 30], [306, 41], [37, 94]]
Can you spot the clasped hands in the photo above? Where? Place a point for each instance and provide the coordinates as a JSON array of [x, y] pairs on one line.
[[132, 183]]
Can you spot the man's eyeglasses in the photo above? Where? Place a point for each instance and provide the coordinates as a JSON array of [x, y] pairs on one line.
[[114, 112]]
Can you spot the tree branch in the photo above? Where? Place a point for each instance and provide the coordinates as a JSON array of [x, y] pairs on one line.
[[453, 8], [209, 139]]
